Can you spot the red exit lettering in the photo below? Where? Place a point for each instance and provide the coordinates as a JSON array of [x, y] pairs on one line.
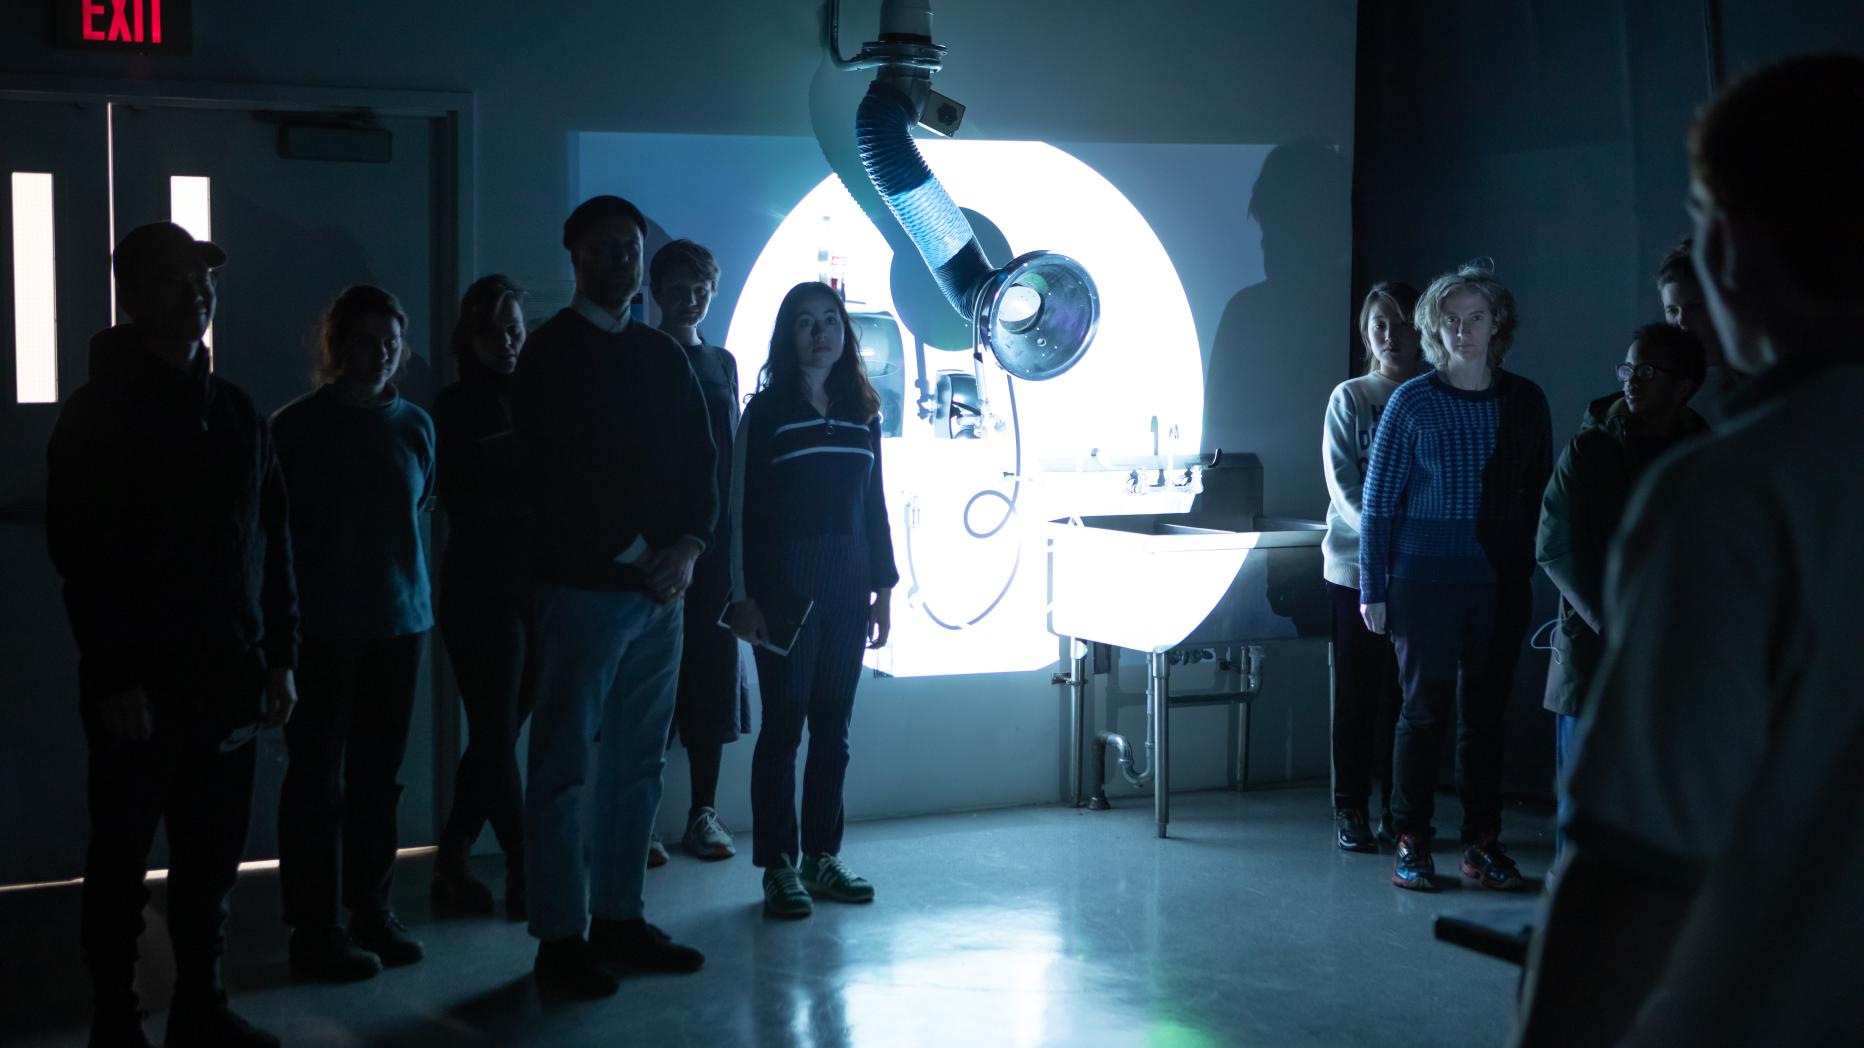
[[127, 25]]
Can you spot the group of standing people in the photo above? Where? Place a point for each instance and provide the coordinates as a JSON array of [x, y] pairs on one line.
[[225, 573], [1444, 495]]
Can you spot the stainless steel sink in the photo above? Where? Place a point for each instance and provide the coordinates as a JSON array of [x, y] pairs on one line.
[[1153, 582]]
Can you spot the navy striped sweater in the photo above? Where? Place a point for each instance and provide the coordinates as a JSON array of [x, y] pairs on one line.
[[798, 475], [1454, 483]]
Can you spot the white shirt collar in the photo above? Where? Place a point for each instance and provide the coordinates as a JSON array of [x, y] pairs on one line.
[[613, 323]]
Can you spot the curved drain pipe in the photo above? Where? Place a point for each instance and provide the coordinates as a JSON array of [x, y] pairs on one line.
[[1158, 691]]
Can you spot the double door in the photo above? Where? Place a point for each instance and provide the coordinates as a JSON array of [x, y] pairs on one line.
[[76, 173]]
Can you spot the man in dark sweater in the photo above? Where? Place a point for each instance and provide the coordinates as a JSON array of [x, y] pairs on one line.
[[166, 518], [619, 457]]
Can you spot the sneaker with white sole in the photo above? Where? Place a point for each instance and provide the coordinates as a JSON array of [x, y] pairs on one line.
[[656, 852], [783, 893], [706, 837], [827, 877]]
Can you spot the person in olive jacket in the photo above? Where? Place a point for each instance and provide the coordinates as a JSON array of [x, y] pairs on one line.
[[1586, 498]]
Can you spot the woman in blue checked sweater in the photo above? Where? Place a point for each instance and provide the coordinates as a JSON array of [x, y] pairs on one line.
[[1446, 558]]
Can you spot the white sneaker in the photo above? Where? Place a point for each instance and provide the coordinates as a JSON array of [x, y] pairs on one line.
[[706, 837], [656, 852]]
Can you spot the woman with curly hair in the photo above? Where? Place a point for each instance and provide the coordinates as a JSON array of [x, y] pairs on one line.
[[1446, 559]]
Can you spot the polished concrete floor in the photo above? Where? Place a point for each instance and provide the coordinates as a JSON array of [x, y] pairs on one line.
[[1031, 926]]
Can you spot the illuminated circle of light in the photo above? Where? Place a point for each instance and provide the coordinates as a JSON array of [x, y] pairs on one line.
[[1144, 364]]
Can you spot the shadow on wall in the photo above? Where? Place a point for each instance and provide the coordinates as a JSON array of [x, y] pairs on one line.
[[1278, 324]]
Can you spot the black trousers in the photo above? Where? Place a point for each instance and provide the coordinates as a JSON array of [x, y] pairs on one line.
[[487, 635], [179, 777], [1457, 644], [814, 685], [1366, 699], [713, 707], [336, 813]]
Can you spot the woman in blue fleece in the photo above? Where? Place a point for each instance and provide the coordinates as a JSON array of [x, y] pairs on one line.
[[1446, 559], [358, 462], [809, 519]]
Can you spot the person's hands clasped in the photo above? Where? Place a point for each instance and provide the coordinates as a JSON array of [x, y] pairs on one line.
[[281, 697], [747, 622], [669, 569]]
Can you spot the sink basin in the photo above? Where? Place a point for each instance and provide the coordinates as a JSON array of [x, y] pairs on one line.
[[1158, 581]]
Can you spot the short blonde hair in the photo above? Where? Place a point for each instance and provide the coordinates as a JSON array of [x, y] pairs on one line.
[[1476, 275]]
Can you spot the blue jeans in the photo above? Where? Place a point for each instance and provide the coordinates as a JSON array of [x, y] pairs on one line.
[[607, 667], [1565, 748]]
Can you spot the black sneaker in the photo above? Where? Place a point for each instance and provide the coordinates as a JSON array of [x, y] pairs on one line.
[[1387, 836], [1488, 865], [118, 1028], [209, 1022], [1354, 835], [640, 946], [385, 936], [1414, 868], [454, 887], [323, 951], [571, 966]]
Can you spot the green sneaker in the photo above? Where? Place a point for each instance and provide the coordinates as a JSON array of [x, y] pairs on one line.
[[829, 877], [783, 893]]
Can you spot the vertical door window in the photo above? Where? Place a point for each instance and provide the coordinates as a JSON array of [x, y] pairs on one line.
[[190, 206], [35, 290]]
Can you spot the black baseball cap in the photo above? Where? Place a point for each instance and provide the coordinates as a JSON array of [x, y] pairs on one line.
[[599, 207], [159, 245]]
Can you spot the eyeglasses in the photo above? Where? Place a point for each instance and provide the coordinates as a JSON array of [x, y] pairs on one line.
[[1642, 372]]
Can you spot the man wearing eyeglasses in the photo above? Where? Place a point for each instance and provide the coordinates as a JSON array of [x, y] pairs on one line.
[[1585, 500]]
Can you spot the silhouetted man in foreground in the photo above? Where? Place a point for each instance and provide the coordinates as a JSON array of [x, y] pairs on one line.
[[1713, 894], [166, 518]]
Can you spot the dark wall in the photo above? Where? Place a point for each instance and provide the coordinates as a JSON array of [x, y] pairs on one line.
[[1173, 72], [1549, 136]]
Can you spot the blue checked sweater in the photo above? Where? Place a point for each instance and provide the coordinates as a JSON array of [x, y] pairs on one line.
[[1454, 483]]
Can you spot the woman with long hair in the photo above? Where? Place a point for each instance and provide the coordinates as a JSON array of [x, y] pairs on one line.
[[482, 592], [810, 525], [1366, 695]]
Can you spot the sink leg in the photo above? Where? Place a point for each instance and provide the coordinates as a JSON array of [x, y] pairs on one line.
[[1077, 719], [1158, 689]]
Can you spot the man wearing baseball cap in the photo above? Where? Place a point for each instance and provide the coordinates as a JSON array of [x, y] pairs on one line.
[[166, 519]]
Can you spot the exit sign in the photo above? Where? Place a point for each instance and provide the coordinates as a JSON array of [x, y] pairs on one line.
[[143, 26]]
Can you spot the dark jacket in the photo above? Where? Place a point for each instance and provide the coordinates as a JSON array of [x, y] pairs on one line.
[[481, 484], [617, 448], [801, 475], [1584, 502], [166, 517]]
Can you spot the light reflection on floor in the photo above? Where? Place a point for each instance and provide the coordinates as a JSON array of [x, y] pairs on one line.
[[1024, 927]]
